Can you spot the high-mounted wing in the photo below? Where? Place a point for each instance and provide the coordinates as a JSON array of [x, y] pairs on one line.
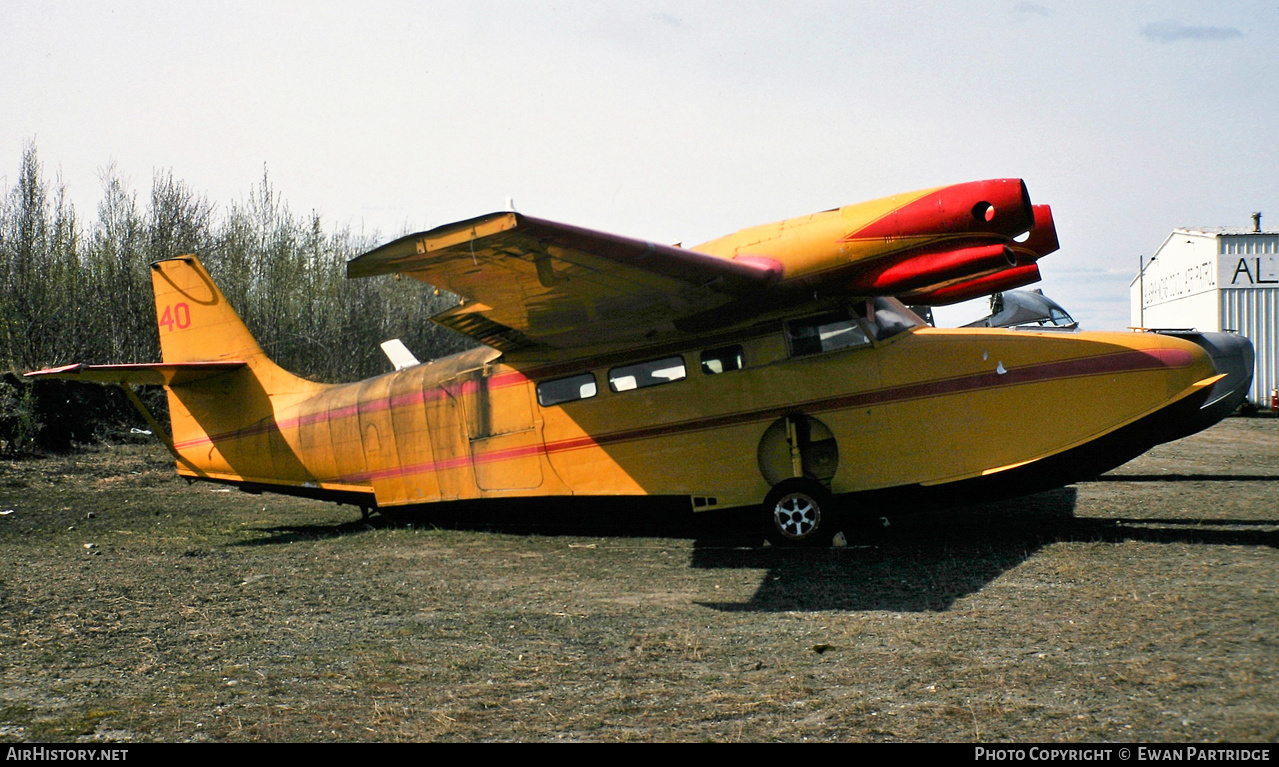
[[527, 282]]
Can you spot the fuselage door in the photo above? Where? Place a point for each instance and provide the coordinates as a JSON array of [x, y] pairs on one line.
[[449, 444], [505, 446]]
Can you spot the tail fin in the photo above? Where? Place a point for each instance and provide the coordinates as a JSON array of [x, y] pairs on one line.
[[225, 394], [223, 426], [196, 322]]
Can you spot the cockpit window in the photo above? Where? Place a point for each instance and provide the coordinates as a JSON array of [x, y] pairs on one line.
[[1059, 318], [825, 333], [882, 317], [723, 359]]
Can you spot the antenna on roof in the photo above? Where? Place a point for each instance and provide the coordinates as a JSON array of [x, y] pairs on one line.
[[1256, 221]]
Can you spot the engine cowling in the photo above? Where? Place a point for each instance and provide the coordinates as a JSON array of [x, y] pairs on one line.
[[919, 242]]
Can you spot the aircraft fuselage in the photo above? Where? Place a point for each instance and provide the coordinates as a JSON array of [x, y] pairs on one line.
[[922, 406]]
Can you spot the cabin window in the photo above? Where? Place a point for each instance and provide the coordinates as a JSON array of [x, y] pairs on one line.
[[825, 333], [723, 359], [566, 389], [645, 374]]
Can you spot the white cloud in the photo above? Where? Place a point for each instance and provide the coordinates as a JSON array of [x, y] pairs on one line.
[[1172, 31], [1033, 9]]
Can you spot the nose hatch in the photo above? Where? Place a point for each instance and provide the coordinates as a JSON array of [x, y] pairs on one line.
[[1233, 357]]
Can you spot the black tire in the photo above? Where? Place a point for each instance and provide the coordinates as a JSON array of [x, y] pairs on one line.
[[799, 512]]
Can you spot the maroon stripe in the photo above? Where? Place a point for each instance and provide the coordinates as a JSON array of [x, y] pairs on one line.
[[417, 397], [1122, 362]]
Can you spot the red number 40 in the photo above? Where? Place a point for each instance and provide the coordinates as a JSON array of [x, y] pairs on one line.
[[177, 315]]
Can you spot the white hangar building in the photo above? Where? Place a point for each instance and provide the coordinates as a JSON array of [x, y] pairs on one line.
[[1214, 279]]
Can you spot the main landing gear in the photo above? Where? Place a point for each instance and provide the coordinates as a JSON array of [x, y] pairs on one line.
[[800, 512]]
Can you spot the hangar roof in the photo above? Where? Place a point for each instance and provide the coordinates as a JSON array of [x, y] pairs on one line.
[[1229, 230]]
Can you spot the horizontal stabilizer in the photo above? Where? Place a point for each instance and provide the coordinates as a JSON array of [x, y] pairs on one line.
[[144, 373]]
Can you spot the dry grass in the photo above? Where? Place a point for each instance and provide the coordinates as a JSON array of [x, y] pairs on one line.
[[1140, 607]]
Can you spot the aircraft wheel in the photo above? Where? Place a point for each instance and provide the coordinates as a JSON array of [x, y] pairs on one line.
[[799, 512]]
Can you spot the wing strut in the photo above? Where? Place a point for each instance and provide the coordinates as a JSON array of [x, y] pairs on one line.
[[156, 429]]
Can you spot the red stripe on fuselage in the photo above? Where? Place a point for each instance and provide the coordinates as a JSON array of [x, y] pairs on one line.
[[1123, 362], [403, 399]]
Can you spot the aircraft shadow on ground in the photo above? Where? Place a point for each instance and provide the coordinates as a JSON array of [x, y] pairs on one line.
[[927, 561], [594, 517], [921, 561], [906, 561], [1185, 478]]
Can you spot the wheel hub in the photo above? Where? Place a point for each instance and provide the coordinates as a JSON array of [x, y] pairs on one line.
[[796, 515]]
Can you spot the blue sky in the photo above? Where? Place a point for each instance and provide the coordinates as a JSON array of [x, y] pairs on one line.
[[671, 121]]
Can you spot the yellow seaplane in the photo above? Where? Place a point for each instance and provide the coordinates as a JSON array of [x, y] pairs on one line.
[[776, 369]]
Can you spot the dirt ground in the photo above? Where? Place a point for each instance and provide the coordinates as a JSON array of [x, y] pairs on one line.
[[1138, 607]]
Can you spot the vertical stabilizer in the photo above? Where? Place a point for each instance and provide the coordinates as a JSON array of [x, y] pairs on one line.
[[196, 322], [225, 426]]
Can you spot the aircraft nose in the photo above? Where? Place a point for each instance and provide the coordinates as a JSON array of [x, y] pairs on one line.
[[1233, 356]]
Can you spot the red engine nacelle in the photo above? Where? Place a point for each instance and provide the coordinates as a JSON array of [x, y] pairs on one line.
[[1008, 279], [967, 235], [999, 207], [925, 269], [1042, 239]]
